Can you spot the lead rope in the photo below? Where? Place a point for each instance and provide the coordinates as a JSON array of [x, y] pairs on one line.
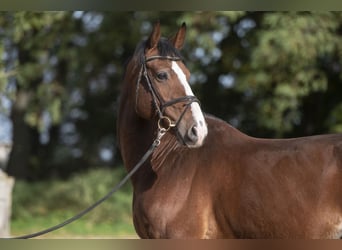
[[155, 144]]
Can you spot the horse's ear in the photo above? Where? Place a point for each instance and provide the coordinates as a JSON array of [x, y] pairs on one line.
[[154, 37], [178, 39]]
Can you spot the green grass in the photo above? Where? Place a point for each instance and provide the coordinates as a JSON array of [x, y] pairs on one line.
[[81, 228], [40, 205]]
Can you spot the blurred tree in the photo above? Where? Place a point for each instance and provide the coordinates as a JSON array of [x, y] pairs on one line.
[[27, 42], [296, 63], [271, 74]]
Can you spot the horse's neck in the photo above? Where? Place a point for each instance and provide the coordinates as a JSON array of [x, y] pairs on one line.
[[168, 146], [136, 136]]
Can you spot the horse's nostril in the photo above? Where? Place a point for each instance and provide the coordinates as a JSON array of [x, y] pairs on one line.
[[194, 136], [193, 133]]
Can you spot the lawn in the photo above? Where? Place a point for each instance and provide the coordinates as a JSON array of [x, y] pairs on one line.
[[40, 205]]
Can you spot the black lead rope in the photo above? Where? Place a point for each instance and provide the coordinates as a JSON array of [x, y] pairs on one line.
[[154, 145]]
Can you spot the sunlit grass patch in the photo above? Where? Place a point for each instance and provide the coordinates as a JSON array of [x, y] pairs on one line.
[[40, 205]]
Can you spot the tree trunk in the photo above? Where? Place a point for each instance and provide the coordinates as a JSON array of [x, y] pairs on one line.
[[19, 157], [6, 185]]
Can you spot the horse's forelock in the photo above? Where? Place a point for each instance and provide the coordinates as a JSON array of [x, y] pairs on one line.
[[165, 48]]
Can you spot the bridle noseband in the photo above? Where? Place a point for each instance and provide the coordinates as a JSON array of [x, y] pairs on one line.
[[164, 122]]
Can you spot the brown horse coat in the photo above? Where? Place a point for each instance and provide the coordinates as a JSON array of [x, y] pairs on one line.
[[233, 185]]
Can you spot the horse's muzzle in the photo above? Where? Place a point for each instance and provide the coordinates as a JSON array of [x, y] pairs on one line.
[[195, 135]]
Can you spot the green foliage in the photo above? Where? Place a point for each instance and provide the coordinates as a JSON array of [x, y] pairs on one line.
[[286, 64], [335, 119], [55, 201], [32, 36], [41, 198]]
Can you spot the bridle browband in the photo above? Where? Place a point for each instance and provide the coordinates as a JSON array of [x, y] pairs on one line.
[[188, 99]]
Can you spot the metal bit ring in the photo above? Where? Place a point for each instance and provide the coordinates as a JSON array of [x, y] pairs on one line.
[[165, 123]]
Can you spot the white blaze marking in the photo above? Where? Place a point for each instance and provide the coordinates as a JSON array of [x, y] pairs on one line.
[[195, 108]]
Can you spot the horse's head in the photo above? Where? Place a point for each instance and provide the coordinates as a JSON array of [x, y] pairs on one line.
[[162, 87]]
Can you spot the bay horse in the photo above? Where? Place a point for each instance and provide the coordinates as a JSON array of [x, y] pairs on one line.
[[206, 179]]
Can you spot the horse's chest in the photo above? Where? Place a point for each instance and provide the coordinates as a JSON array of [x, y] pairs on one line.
[[154, 215], [331, 227], [172, 216]]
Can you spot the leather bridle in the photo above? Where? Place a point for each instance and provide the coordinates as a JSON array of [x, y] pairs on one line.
[[164, 121]]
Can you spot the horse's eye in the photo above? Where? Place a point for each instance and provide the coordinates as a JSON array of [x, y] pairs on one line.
[[162, 76]]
